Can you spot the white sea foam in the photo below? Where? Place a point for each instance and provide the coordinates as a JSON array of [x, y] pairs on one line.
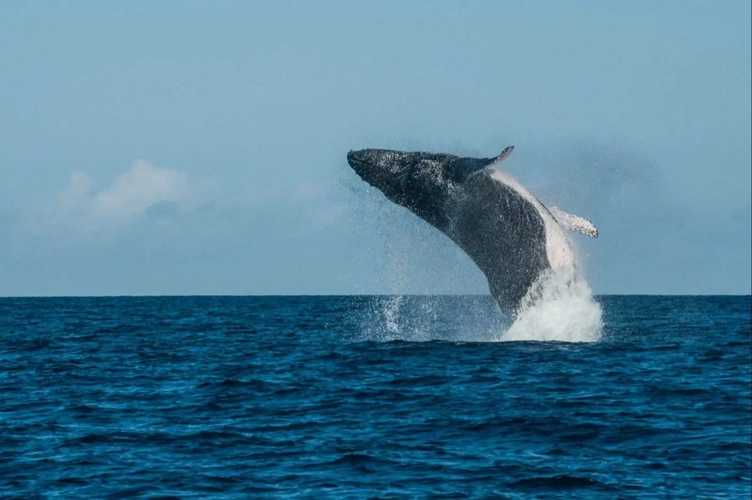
[[559, 306]]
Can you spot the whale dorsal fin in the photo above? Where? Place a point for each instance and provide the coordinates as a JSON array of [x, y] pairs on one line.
[[503, 155], [574, 223], [465, 167]]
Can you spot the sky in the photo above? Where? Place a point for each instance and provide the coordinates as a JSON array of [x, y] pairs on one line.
[[196, 148]]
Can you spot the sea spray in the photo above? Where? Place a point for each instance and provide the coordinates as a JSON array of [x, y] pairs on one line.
[[421, 318], [558, 307], [391, 314]]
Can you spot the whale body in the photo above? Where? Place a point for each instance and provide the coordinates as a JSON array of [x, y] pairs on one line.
[[510, 235]]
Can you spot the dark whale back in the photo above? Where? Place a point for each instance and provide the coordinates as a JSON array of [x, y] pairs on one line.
[[502, 233]]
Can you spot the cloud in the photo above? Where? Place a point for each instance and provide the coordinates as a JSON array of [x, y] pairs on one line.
[[144, 190], [78, 190], [147, 194], [138, 189]]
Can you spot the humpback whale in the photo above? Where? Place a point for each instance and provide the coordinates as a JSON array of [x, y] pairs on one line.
[[510, 235]]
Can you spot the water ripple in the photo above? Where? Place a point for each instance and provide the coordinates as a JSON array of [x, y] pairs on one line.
[[198, 397]]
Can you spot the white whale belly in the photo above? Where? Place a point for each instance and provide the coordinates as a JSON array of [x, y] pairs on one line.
[[558, 248]]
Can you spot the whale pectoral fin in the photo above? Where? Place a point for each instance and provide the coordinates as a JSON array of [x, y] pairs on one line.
[[574, 223]]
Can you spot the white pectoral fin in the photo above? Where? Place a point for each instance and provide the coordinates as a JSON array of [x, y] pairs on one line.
[[574, 223]]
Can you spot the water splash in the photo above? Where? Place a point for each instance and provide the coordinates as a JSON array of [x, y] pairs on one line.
[[422, 318], [558, 307], [391, 314]]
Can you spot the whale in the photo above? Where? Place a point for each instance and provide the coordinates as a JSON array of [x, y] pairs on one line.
[[511, 236]]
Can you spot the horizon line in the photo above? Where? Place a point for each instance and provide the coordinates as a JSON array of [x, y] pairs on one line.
[[354, 295]]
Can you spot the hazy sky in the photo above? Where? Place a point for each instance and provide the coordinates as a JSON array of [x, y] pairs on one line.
[[199, 147]]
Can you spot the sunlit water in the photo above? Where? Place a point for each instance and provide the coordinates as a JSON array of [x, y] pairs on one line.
[[362, 397]]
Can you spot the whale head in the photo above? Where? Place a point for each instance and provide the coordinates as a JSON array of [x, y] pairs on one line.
[[422, 182], [399, 174]]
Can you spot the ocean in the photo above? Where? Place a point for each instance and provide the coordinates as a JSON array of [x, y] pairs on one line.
[[371, 397]]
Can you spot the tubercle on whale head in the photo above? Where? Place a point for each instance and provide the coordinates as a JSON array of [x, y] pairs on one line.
[[368, 164], [399, 173], [377, 160], [418, 181]]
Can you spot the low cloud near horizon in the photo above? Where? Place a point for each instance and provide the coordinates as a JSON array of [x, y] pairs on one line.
[[82, 208]]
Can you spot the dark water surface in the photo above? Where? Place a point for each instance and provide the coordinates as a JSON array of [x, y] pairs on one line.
[[237, 397]]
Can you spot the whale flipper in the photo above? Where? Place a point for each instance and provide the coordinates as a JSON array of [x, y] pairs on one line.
[[574, 223]]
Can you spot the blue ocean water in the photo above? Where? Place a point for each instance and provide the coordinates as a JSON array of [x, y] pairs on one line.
[[319, 397]]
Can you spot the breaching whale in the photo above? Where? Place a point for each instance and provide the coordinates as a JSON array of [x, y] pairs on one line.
[[510, 235]]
